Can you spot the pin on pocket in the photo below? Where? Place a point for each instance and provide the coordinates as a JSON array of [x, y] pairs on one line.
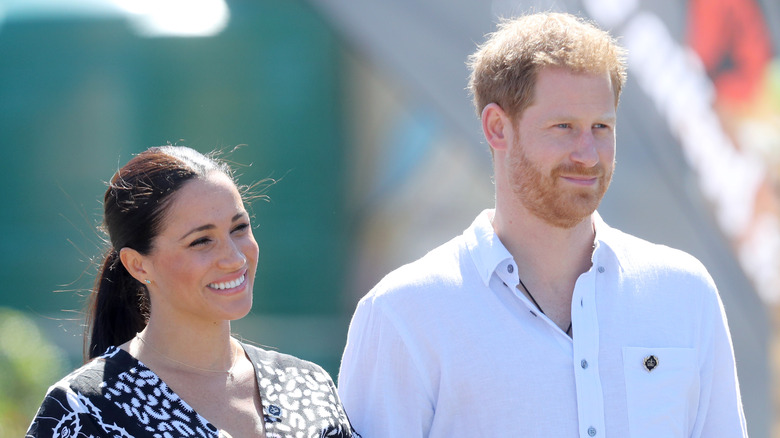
[[650, 363]]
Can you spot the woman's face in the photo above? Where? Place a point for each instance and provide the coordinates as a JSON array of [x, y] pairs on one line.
[[202, 264]]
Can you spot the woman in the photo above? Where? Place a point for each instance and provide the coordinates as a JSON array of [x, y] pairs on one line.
[[163, 362]]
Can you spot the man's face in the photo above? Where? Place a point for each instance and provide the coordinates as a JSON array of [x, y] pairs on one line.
[[563, 154]]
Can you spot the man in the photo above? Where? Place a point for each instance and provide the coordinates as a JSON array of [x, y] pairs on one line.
[[540, 320]]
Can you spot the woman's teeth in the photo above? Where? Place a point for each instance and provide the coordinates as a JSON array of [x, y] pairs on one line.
[[229, 284]]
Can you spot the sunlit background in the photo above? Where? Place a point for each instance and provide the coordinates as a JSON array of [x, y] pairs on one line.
[[359, 111]]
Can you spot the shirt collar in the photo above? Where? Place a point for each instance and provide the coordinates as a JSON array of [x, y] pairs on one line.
[[488, 253], [606, 240]]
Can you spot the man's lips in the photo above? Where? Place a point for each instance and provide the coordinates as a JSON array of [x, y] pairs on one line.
[[583, 180]]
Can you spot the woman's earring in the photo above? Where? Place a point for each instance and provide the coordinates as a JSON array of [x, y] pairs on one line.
[[147, 281]]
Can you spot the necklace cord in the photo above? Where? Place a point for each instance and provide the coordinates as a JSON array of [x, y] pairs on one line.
[[527, 291]]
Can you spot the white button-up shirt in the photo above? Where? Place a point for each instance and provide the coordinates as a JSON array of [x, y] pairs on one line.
[[449, 347]]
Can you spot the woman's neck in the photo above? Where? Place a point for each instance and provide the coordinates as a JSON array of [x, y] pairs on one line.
[[208, 349]]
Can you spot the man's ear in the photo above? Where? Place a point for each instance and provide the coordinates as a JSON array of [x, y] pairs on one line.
[[496, 126], [133, 261]]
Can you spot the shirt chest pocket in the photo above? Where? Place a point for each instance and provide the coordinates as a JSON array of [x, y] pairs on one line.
[[662, 391]]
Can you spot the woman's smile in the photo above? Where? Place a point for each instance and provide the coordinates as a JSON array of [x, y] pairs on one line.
[[228, 287]]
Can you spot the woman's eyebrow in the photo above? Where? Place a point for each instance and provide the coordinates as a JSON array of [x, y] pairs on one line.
[[211, 226]]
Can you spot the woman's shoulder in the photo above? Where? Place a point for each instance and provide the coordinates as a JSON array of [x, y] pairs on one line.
[[77, 402], [91, 376], [280, 361], [291, 388]]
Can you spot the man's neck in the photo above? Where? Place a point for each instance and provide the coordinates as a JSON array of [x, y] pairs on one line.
[[549, 258], [530, 238]]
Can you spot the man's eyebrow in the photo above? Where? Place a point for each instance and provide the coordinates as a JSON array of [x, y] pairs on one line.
[[211, 226]]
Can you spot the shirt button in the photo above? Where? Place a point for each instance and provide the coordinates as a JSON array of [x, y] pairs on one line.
[[510, 268], [601, 269], [584, 364], [592, 431]]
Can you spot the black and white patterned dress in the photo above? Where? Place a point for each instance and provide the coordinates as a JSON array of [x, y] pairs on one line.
[[115, 395]]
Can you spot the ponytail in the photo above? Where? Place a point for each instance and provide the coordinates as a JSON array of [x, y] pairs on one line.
[[119, 307]]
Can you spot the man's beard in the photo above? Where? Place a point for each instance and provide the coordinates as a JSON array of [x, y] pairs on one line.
[[546, 198]]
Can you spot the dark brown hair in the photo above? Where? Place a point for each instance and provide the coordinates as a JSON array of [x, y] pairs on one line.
[[135, 204]]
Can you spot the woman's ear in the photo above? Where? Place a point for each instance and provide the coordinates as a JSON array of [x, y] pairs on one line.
[[496, 126], [133, 261]]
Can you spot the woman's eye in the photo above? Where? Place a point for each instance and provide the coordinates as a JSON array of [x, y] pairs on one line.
[[200, 242], [241, 227]]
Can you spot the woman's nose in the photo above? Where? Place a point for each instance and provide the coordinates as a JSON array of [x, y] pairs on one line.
[[232, 257]]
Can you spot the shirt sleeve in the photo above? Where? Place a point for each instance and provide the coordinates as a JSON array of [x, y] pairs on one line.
[[343, 428], [720, 406], [380, 382]]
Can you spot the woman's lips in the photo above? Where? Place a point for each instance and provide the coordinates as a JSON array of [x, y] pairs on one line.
[[229, 285]]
